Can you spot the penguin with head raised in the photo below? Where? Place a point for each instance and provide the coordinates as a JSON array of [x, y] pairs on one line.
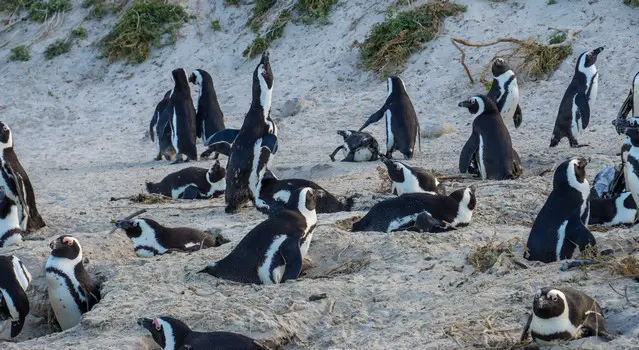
[[489, 144], [273, 251], [10, 231], [151, 239], [172, 334], [504, 92], [179, 117], [359, 146], [564, 314], [402, 126], [631, 168], [16, 183], [576, 105], [71, 290], [191, 183], [560, 225], [629, 107], [407, 179], [209, 118], [162, 138], [14, 303]]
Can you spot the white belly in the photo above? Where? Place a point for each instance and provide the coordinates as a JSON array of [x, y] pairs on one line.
[[306, 244], [561, 235], [574, 125], [410, 185], [65, 309], [480, 156], [401, 221], [632, 181], [553, 325], [264, 271], [177, 192], [593, 91], [362, 155], [390, 138], [624, 215], [174, 131], [510, 105]]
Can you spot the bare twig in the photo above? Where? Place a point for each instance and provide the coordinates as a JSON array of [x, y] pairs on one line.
[[141, 211]]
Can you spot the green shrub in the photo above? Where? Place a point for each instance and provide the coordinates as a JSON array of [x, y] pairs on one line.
[[557, 38], [40, 10], [631, 3], [216, 26], [58, 48], [79, 33], [261, 44], [314, 10], [20, 53]]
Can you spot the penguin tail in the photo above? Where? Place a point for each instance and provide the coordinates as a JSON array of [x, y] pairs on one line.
[[555, 140], [208, 269]]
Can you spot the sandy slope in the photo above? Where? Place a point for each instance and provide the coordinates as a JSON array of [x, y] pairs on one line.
[[80, 124]]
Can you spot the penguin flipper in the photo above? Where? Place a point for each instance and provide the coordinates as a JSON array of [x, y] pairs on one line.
[[594, 325], [191, 192], [154, 121], [20, 303], [290, 252], [427, 223], [163, 121], [226, 135], [517, 117], [375, 117], [332, 155], [525, 332], [584, 109], [467, 152], [577, 233], [270, 141]]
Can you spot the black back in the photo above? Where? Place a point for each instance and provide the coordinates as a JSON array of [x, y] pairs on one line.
[[209, 118], [159, 108], [168, 237], [325, 201], [404, 123], [182, 104], [13, 290], [426, 180], [199, 177]]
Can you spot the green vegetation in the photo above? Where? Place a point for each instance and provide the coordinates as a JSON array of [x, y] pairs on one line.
[[215, 25], [391, 42], [557, 38], [20, 53], [312, 11], [58, 48], [38, 10], [98, 9], [261, 44], [79, 33], [631, 3], [145, 24], [552, 2], [232, 3]]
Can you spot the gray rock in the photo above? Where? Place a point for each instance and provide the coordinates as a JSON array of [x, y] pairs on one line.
[[294, 106], [433, 131]]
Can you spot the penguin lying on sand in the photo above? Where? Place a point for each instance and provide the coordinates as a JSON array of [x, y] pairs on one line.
[[172, 334], [359, 146], [407, 179], [10, 231], [162, 138], [504, 92], [150, 238], [619, 210], [209, 118], [564, 314], [14, 303], [192, 183]]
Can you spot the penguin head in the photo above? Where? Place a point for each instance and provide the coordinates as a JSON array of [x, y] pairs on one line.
[[66, 247], [633, 134], [181, 80], [345, 133], [499, 67], [263, 81], [132, 227], [572, 173], [168, 332], [395, 84], [303, 200], [6, 139], [588, 58], [216, 173], [549, 302], [478, 105], [196, 77], [465, 197], [395, 169]]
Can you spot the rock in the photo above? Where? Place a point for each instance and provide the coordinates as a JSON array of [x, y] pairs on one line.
[[294, 106], [433, 131]]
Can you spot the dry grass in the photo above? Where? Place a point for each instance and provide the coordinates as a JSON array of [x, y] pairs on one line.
[[146, 198], [627, 267], [484, 257], [348, 267], [631, 3], [385, 184], [347, 224]]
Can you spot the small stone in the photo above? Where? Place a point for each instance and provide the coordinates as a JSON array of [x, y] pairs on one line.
[[433, 131]]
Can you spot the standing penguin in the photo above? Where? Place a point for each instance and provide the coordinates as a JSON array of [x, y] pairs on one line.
[[489, 144], [10, 231], [631, 169], [71, 291], [359, 146], [505, 92], [629, 106], [14, 303], [407, 179], [402, 126], [179, 116], [191, 183], [17, 184], [560, 225], [576, 105], [162, 138], [253, 145], [209, 118]]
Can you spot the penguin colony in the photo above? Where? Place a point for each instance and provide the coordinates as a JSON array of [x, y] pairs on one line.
[[274, 250]]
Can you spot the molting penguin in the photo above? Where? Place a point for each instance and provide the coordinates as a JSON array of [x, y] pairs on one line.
[[443, 213], [10, 231], [402, 126], [564, 314], [629, 106], [209, 118], [576, 105], [14, 303], [179, 116], [150, 238], [71, 291], [407, 179], [631, 169], [489, 144], [359, 146], [273, 251], [16, 183], [560, 224], [191, 183], [505, 92], [172, 334], [253, 145], [162, 138], [620, 210]]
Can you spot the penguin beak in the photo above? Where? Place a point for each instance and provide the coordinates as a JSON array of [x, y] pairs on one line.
[[52, 244], [464, 104], [147, 323], [124, 224], [265, 58], [192, 78], [597, 51]]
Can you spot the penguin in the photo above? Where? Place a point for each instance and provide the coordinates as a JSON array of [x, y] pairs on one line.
[[209, 118], [192, 183], [580, 96], [162, 138], [71, 290], [359, 146], [629, 106], [179, 117], [631, 169], [252, 146], [620, 210], [16, 183], [407, 179], [14, 303], [151, 239], [560, 225], [564, 314], [172, 334], [504, 91], [445, 213], [273, 251], [489, 144], [402, 126], [10, 231]]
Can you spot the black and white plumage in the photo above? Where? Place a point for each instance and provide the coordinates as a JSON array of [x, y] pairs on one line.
[[619, 210], [560, 225], [150, 238], [629, 107], [505, 92], [71, 290], [561, 314], [192, 183], [358, 146], [489, 145], [579, 98], [402, 126], [441, 213], [162, 138], [16, 183], [172, 334], [631, 168], [14, 303], [209, 118], [273, 251], [407, 179], [10, 231]]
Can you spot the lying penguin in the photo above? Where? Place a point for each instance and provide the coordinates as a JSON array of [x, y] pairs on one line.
[[439, 213], [192, 183], [407, 179], [150, 238], [10, 231], [170, 333], [359, 146], [620, 210], [14, 303], [273, 251]]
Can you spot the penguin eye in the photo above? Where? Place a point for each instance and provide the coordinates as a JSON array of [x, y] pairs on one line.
[[554, 298], [473, 101], [157, 325], [5, 128], [68, 241]]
